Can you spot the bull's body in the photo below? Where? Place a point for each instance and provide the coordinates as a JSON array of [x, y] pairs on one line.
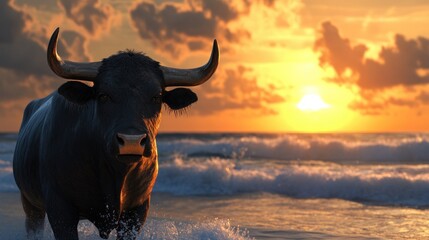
[[63, 166], [90, 152]]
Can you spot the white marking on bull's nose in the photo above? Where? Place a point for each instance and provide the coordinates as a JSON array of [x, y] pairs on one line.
[[131, 144]]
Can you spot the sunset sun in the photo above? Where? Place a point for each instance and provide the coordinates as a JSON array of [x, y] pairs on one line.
[[312, 102]]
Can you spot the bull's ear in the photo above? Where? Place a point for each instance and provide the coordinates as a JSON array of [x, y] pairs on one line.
[[76, 92], [179, 98]]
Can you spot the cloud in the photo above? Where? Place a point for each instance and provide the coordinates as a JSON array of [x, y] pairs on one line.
[[378, 103], [11, 22], [24, 71], [423, 97], [16, 46], [73, 45], [220, 10], [236, 88], [170, 22], [20, 49], [171, 26], [403, 64], [17, 90], [12, 86], [91, 14]]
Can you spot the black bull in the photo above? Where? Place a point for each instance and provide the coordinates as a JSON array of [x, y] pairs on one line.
[[90, 152]]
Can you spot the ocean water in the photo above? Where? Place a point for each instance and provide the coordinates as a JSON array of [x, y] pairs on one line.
[[273, 186]]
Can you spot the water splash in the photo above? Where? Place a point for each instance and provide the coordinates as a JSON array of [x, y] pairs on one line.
[[154, 229]]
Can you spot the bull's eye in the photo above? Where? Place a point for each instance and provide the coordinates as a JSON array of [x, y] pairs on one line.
[[102, 97]]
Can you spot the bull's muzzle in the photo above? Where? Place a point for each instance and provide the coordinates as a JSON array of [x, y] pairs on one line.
[[131, 144]]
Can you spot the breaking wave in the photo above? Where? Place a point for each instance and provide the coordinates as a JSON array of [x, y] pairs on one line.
[[341, 148], [406, 185], [381, 168]]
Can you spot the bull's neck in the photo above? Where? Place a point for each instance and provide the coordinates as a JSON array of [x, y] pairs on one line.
[[132, 183]]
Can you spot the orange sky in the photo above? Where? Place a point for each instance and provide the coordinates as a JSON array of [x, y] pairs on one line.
[[368, 61]]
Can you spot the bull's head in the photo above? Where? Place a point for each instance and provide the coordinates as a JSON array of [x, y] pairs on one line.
[[127, 94]]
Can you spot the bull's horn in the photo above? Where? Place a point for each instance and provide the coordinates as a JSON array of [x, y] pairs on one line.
[[195, 76], [68, 69]]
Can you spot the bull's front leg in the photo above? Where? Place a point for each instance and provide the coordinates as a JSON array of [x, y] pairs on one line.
[[131, 221], [62, 216], [34, 219]]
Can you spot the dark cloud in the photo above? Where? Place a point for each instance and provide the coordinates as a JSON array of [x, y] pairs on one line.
[[237, 35], [73, 46], [90, 14], [397, 65], [195, 45], [170, 23], [232, 89], [18, 51], [21, 53], [11, 22], [24, 72], [171, 26], [13, 86], [220, 9]]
